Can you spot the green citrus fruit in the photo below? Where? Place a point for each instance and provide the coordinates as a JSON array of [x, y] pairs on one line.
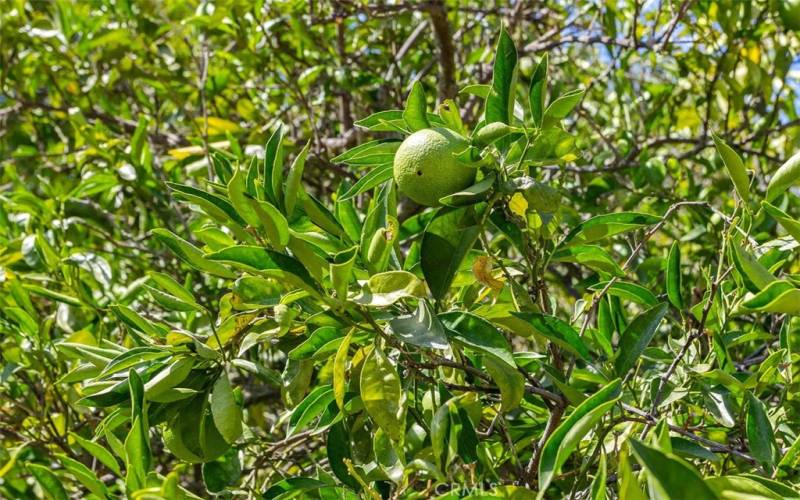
[[789, 11], [192, 436], [426, 169], [173, 440]]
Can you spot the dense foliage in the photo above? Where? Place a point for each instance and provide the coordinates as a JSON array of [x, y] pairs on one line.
[[211, 285]]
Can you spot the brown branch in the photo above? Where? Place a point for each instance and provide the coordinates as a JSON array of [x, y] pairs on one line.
[[681, 11], [345, 115], [444, 37]]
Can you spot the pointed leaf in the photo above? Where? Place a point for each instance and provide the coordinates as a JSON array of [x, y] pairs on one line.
[[447, 239], [733, 162], [416, 114], [382, 394], [676, 478], [786, 176], [674, 286], [565, 439], [637, 337]]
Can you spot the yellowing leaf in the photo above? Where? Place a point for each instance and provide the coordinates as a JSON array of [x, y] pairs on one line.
[[518, 204], [482, 270], [382, 394], [187, 151], [219, 125]]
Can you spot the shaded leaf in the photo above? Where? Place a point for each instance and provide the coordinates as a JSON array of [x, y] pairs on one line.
[[733, 162], [675, 477], [447, 239], [637, 337], [563, 441]]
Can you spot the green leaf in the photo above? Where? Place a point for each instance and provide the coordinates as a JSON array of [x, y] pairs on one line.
[[170, 376], [674, 286], [476, 193], [760, 435], [754, 275], [735, 167], [383, 121], [215, 206], [565, 439], [557, 331], [49, 482], [489, 133], [591, 256], [607, 225], [346, 213], [139, 147], [735, 487], [790, 224], [310, 408], [338, 450], [378, 175], [272, 221], [50, 294], [237, 192], [97, 355], [377, 152], [225, 411], [341, 271], [294, 179], [25, 321], [443, 449], [780, 296], [477, 89], [416, 113], [312, 257], [563, 105], [628, 486], [788, 461], [689, 448], [321, 216], [447, 239], [340, 370], [382, 394], [190, 254], [170, 302], [266, 262], [500, 101], [295, 380], [538, 91], [637, 337], [222, 472], [482, 337], [172, 287], [786, 176], [508, 380], [136, 322], [384, 289], [628, 291], [293, 487], [673, 475], [273, 161], [451, 116], [137, 442], [99, 452], [84, 475], [779, 488], [598, 489], [478, 334], [422, 329], [322, 342]]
